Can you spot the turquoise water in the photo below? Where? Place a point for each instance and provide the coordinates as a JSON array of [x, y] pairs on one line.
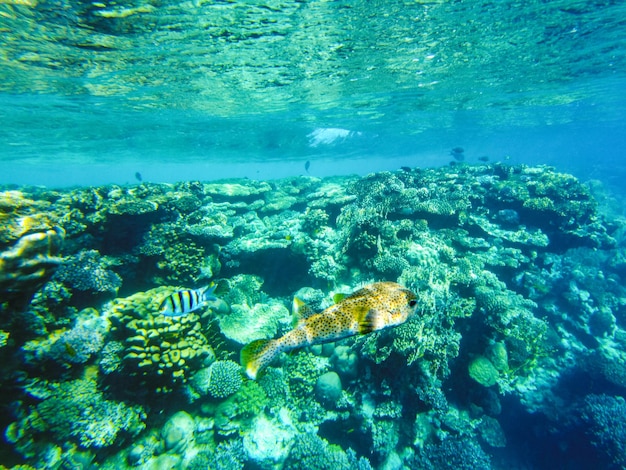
[[216, 84], [470, 155]]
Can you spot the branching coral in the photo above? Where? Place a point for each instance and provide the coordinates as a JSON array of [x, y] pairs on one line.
[[77, 411], [88, 271], [312, 452]]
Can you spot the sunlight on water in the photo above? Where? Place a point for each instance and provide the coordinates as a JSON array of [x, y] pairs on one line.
[[214, 81]]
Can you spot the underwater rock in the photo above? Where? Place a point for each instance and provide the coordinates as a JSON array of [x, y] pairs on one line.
[[328, 389], [268, 441], [491, 432], [178, 431], [345, 361]]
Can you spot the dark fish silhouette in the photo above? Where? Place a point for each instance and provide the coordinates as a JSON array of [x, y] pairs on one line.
[[484, 158], [405, 168], [458, 154], [307, 165], [138, 176]]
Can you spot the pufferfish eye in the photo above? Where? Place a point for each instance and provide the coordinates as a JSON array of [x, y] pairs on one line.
[[412, 303]]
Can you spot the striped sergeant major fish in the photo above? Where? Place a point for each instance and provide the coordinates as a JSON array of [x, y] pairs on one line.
[[186, 301]]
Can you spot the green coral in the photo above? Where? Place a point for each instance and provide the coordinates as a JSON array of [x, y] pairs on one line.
[[234, 414], [220, 380], [162, 351], [77, 411], [483, 371]]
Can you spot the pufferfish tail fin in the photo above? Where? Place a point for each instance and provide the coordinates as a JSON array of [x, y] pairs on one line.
[[373, 320], [257, 355]]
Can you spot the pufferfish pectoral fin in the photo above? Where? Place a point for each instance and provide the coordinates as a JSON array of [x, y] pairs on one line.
[[257, 355], [301, 310], [373, 320]]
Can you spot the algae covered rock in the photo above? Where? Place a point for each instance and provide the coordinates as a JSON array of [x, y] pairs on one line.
[[328, 389], [177, 433], [483, 371], [269, 440], [161, 350]]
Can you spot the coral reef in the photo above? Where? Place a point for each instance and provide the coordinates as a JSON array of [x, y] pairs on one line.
[[220, 380], [88, 271], [605, 417], [521, 315], [74, 411], [162, 350]]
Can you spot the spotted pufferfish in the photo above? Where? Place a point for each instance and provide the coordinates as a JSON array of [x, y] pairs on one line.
[[371, 308]]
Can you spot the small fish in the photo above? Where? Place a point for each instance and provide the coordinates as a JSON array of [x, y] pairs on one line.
[[138, 176], [186, 301], [307, 165], [483, 158], [371, 308], [69, 349], [405, 168], [458, 154]]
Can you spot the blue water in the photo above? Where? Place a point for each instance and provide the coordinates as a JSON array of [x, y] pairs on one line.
[[93, 93], [67, 141], [309, 147]]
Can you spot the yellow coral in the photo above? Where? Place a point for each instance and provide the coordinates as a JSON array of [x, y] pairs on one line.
[[161, 349], [31, 260]]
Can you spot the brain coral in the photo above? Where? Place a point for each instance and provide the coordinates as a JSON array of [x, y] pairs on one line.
[[159, 349]]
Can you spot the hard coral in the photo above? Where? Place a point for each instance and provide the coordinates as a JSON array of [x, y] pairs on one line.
[[88, 271], [454, 453], [161, 350], [77, 411], [220, 380], [78, 345], [29, 263], [606, 417], [312, 452]]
